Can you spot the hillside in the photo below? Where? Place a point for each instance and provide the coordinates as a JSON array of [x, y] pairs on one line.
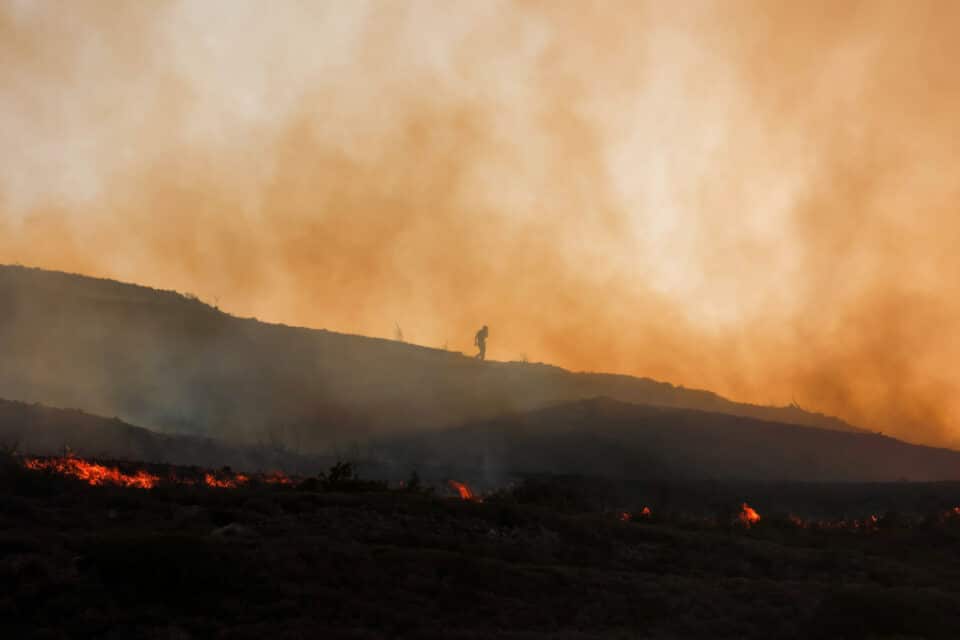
[[645, 444], [174, 364], [39, 430], [629, 445]]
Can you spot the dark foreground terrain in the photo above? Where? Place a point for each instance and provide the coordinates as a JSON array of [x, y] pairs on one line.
[[314, 561]]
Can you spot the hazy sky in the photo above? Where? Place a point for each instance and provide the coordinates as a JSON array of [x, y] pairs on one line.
[[760, 198]]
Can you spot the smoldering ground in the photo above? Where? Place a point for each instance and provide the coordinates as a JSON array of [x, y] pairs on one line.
[[755, 198]]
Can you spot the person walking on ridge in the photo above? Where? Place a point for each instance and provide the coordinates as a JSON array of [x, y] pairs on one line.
[[480, 340]]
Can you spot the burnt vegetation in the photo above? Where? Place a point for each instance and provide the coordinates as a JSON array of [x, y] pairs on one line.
[[336, 556]]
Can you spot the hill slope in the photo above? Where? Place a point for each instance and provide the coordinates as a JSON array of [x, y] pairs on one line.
[[172, 363], [647, 444], [39, 430], [630, 445]]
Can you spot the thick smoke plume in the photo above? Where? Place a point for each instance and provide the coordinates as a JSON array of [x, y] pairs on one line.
[[756, 198]]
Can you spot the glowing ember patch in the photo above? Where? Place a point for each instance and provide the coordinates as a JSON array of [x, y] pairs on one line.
[[747, 515], [625, 516], [466, 493], [277, 477], [645, 512], [93, 473], [225, 483], [98, 474]]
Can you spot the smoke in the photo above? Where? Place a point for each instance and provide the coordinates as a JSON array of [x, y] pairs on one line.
[[756, 198]]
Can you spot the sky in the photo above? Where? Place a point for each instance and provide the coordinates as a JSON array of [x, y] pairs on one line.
[[758, 198]]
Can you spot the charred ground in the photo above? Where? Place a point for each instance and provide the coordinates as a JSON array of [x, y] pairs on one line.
[[81, 561]]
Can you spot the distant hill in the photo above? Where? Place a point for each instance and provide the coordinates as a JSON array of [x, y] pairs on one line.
[[172, 363], [601, 437], [33, 429], [630, 445]]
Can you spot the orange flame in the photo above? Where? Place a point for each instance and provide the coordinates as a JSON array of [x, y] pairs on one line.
[[277, 477], [466, 493], [93, 473], [98, 474], [747, 515], [626, 516], [227, 483]]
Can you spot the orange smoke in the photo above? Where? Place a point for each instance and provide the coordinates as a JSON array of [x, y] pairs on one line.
[[752, 197], [93, 473]]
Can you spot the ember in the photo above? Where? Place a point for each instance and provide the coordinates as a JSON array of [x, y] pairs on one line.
[[225, 483], [277, 477], [98, 474], [466, 493], [747, 515], [627, 516], [93, 473]]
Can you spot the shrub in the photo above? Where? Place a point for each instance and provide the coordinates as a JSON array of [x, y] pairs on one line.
[[342, 477]]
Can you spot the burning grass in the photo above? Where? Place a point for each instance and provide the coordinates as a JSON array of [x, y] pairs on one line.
[[93, 473], [123, 475], [217, 552], [214, 562], [231, 482], [278, 477], [342, 478], [464, 491], [748, 515]]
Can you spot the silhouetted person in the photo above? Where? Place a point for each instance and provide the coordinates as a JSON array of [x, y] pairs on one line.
[[481, 341]]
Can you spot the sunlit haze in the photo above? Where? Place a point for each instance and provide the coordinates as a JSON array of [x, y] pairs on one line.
[[760, 199]]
